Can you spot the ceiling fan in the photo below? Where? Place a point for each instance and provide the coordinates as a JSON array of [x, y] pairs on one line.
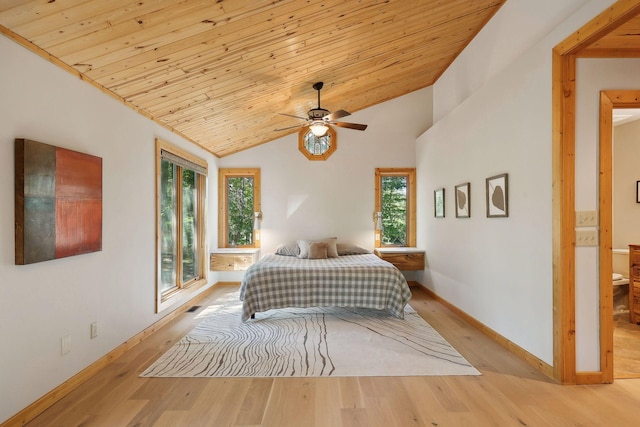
[[319, 119]]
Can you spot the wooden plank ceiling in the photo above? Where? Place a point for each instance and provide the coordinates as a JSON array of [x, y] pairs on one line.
[[622, 42], [218, 72]]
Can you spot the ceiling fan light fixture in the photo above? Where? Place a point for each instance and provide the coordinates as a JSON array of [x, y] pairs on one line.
[[318, 119], [319, 128]]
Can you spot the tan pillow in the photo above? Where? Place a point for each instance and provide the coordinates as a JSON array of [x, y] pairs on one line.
[[332, 247], [318, 250]]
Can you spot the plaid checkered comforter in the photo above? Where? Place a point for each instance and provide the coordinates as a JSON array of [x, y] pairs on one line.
[[347, 281]]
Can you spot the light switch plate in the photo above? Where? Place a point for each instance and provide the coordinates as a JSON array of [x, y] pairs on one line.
[[586, 237], [586, 218]]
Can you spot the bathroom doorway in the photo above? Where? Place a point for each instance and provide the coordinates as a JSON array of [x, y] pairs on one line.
[[611, 100], [625, 231]]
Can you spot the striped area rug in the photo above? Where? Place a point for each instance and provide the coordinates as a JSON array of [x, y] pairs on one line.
[[312, 342]]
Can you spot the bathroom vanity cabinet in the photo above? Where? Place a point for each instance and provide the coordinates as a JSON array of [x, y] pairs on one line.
[[634, 284]]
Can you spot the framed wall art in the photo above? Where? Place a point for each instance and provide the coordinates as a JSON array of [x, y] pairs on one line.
[[463, 201], [438, 203], [58, 202], [498, 196], [637, 191]]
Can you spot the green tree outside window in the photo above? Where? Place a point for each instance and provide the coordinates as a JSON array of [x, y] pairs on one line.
[[394, 210], [240, 210]]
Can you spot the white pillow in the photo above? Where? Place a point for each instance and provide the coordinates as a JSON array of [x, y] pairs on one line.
[[303, 248]]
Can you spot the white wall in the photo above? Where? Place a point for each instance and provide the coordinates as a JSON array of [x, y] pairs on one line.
[[592, 76], [515, 28], [499, 270], [313, 199], [40, 303], [626, 152]]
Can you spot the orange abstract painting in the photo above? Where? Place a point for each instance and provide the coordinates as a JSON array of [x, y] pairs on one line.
[[58, 202]]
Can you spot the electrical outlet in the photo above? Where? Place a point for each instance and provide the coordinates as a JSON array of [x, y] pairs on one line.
[[586, 237], [65, 344], [94, 330], [587, 219]]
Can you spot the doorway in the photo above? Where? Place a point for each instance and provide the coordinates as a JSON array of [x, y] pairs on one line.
[[614, 334], [586, 42], [625, 231]]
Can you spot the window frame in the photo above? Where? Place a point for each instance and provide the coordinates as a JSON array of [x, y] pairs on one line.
[[410, 173], [223, 223], [167, 298], [302, 147]]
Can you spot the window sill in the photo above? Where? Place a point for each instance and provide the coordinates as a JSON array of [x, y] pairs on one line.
[[171, 299]]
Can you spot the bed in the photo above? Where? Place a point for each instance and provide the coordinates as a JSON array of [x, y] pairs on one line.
[[345, 281]]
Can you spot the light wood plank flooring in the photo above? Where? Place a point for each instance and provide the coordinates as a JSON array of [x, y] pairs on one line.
[[509, 392], [626, 348]]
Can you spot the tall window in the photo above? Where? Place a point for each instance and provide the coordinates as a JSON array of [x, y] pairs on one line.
[[182, 180], [395, 190], [238, 205]]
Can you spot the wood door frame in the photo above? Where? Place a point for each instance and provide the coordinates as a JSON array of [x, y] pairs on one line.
[[563, 169], [609, 99]]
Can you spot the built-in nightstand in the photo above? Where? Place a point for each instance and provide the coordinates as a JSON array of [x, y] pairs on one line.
[[233, 259], [403, 258]]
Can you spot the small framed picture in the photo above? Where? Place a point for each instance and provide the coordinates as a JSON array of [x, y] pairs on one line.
[[438, 203], [637, 191], [463, 206], [498, 196]]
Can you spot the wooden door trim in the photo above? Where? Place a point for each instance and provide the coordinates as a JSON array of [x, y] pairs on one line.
[[609, 99], [563, 149]]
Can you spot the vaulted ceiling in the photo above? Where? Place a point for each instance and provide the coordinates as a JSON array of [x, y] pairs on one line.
[[219, 72]]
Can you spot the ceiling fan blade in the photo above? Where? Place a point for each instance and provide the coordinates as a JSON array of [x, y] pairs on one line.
[[291, 127], [337, 115], [355, 126], [296, 117]]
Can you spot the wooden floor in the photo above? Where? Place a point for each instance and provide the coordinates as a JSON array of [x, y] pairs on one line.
[[508, 393], [626, 348]]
